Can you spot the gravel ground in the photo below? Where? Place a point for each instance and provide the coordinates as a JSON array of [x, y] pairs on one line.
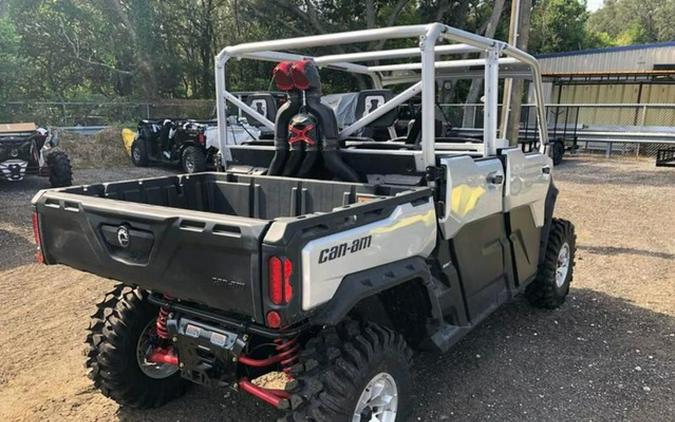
[[607, 354]]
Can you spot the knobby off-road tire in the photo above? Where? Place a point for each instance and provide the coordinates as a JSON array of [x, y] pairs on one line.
[[111, 351], [139, 153], [557, 153], [337, 366], [555, 274], [60, 171], [193, 160]]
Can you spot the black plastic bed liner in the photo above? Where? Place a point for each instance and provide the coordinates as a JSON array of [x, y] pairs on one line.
[[200, 237]]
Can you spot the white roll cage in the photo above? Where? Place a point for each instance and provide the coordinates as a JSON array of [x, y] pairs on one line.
[[498, 56]]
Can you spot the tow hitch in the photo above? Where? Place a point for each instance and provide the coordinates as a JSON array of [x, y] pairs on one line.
[[209, 355]]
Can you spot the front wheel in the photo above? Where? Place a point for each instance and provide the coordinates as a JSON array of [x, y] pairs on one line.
[[193, 160], [139, 153], [60, 170], [120, 334], [555, 273], [354, 372], [557, 152]]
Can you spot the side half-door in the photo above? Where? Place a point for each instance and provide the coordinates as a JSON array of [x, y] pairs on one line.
[[473, 223], [528, 178]]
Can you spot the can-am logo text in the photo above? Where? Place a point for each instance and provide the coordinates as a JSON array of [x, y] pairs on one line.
[[343, 249]]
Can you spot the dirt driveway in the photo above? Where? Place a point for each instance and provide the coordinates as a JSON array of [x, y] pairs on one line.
[[608, 354]]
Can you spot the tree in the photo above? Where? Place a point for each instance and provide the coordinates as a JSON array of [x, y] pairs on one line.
[[634, 21], [558, 25], [489, 30], [12, 66], [513, 127], [71, 49]]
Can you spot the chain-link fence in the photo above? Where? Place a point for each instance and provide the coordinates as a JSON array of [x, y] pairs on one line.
[[91, 113], [595, 127]]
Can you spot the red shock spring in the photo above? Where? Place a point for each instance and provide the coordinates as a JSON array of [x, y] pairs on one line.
[[160, 325], [287, 352]]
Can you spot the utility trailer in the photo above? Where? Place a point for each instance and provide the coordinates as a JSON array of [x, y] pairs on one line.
[[665, 157], [321, 255]]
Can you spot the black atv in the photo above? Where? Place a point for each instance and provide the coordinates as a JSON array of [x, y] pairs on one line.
[[28, 149], [173, 142]]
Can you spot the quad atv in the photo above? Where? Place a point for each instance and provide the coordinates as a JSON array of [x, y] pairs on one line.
[[172, 142], [317, 255], [28, 149]]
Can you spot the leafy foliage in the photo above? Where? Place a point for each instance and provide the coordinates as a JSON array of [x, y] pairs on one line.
[[560, 25], [71, 49], [626, 22]]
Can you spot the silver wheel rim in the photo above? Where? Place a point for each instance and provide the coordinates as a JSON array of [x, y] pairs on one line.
[[378, 401], [136, 153], [562, 265], [189, 164], [145, 345]]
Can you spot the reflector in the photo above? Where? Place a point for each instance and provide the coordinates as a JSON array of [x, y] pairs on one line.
[[273, 319], [38, 244]]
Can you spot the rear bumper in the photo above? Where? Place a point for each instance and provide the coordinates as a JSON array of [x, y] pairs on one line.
[[13, 170], [237, 325]]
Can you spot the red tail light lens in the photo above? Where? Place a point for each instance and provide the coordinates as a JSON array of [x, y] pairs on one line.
[[36, 234], [279, 275], [201, 138], [282, 76], [298, 75], [275, 280], [288, 288], [273, 319]]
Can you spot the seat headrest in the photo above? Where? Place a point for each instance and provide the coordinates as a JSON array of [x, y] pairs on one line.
[[369, 100], [264, 103]]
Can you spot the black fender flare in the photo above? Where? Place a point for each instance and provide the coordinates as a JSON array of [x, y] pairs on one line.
[[191, 143], [549, 206], [358, 286]]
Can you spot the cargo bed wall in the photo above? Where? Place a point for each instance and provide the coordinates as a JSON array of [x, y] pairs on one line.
[[196, 237], [248, 196], [203, 257]]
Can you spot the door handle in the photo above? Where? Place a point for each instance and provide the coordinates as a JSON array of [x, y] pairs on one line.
[[495, 178]]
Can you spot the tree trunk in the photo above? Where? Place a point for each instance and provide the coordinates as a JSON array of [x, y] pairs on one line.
[[370, 14], [477, 84], [517, 92]]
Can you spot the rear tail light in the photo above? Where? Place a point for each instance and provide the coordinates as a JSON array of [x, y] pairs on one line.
[[201, 138], [279, 275], [36, 234], [282, 76], [288, 288]]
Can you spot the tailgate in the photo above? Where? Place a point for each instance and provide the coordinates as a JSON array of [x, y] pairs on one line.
[[204, 257]]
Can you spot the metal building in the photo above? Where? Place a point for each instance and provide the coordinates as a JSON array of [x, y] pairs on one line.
[[631, 75]]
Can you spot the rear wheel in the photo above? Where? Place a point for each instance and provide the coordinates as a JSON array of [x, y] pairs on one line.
[[60, 171], [120, 334], [353, 372], [555, 274], [557, 152], [139, 153], [193, 160]]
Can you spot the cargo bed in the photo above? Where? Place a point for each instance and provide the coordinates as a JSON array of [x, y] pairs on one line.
[[198, 237]]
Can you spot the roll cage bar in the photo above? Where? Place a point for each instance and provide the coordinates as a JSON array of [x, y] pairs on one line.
[[498, 55]]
